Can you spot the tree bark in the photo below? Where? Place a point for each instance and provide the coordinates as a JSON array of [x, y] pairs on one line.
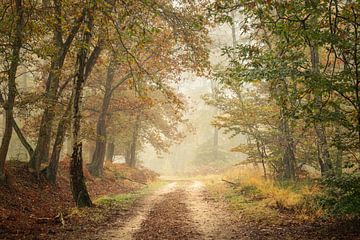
[[19, 133], [288, 147], [323, 148], [41, 153], [261, 151], [286, 137], [97, 164], [51, 170], [128, 154], [133, 145], [77, 180], [110, 149], [9, 104], [22, 138]]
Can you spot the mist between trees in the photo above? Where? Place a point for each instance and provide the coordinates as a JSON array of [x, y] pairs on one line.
[[94, 81]]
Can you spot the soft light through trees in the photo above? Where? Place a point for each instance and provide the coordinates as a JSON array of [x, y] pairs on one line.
[[301, 51], [136, 49]]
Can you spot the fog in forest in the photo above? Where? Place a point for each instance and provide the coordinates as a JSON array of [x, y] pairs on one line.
[[179, 119], [205, 149]]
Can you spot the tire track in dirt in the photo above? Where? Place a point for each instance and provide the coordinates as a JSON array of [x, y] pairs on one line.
[[178, 212], [169, 219], [212, 220], [127, 230]]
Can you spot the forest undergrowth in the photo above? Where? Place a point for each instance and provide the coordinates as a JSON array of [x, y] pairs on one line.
[[305, 205], [31, 208]]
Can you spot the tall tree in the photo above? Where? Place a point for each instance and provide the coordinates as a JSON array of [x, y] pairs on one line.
[[62, 47], [16, 45], [77, 181]]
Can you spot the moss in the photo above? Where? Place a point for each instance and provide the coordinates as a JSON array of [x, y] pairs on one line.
[[127, 199]]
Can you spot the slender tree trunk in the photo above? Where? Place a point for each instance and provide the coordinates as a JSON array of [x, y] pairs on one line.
[[97, 164], [41, 153], [286, 137], [132, 160], [128, 154], [9, 104], [23, 139], [261, 152], [51, 170], [339, 150], [110, 149], [216, 130], [323, 148], [77, 180], [19, 133], [320, 130], [288, 148]]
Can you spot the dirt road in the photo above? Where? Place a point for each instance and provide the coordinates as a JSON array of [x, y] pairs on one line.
[[184, 210], [177, 211]]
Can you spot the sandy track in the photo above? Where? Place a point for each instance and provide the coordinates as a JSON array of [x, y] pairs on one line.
[[212, 220], [177, 211], [169, 219], [184, 210], [132, 225]]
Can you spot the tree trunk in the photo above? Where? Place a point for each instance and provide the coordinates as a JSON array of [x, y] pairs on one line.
[[110, 149], [261, 151], [216, 130], [132, 160], [19, 133], [128, 154], [51, 170], [287, 143], [77, 180], [286, 137], [9, 104], [339, 150], [41, 153], [97, 164], [323, 148]]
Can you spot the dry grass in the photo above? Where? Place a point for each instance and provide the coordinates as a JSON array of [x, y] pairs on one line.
[[257, 196]]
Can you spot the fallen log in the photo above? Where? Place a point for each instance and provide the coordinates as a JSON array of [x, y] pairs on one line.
[[59, 218], [131, 180], [231, 183]]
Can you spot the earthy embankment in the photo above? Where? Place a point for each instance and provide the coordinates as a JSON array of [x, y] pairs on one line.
[[30, 208]]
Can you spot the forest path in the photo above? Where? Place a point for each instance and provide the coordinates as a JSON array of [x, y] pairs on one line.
[[179, 210]]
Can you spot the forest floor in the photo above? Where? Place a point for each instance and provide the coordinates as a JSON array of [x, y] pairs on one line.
[[167, 209], [188, 209], [31, 208]]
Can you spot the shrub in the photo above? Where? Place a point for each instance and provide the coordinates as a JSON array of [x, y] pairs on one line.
[[341, 195]]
